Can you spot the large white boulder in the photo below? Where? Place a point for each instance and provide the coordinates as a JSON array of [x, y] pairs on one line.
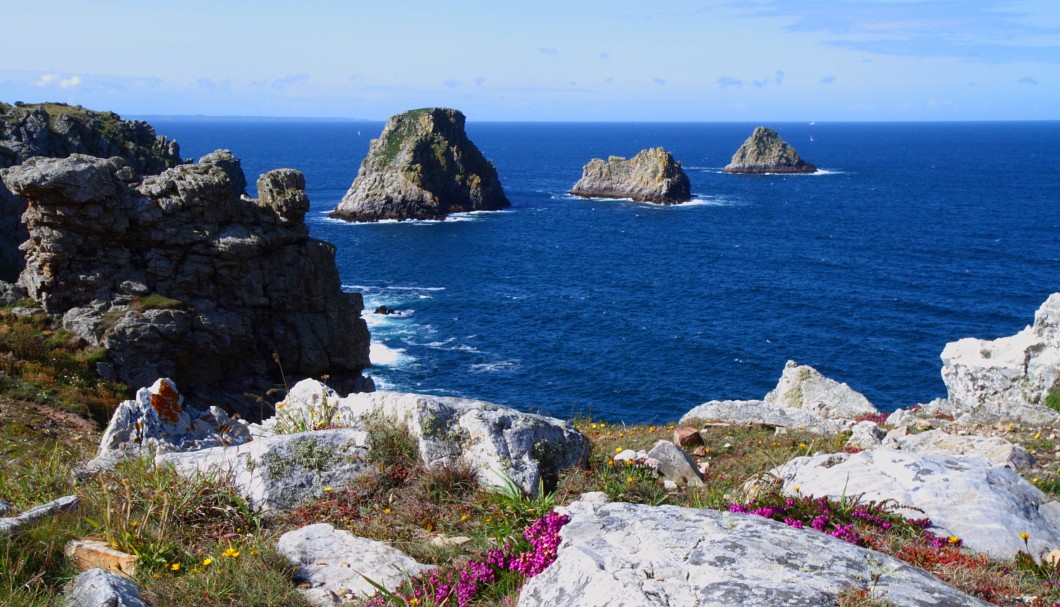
[[101, 588], [495, 441], [1008, 378], [985, 505], [280, 472], [334, 564], [633, 555]]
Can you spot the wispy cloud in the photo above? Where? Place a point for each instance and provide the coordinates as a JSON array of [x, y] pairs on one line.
[[452, 84], [760, 83], [729, 81], [1027, 80], [283, 83], [605, 55], [56, 80], [828, 80], [481, 80], [778, 77], [548, 50], [659, 81], [207, 84]]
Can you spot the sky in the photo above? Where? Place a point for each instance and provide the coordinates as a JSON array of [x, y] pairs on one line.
[[546, 60]]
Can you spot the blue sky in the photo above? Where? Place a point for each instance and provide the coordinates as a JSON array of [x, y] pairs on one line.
[[623, 60]]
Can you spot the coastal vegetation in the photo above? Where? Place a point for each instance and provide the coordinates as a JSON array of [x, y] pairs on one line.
[[197, 540]]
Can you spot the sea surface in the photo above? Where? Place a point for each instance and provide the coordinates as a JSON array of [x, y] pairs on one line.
[[911, 235]]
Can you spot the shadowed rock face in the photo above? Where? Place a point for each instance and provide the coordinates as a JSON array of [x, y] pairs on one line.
[[182, 275], [765, 152], [651, 176], [423, 166], [56, 130]]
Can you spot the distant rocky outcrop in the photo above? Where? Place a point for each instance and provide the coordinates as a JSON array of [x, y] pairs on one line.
[[423, 166], [1013, 378], [651, 176], [182, 275], [765, 152], [57, 130]]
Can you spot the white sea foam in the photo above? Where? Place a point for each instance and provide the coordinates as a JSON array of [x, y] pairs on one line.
[[496, 367], [384, 356]]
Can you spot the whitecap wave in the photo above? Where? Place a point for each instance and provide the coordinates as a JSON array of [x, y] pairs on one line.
[[383, 355], [495, 367]]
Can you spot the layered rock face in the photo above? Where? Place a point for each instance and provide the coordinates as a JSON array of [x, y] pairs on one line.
[[1009, 378], [57, 130], [423, 166], [181, 275], [765, 152], [651, 176]]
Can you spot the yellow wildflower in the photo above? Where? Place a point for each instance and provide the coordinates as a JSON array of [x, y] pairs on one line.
[[328, 488], [618, 449], [463, 517], [386, 510], [1024, 536], [230, 552], [796, 488], [174, 567], [953, 539], [629, 479], [207, 561]]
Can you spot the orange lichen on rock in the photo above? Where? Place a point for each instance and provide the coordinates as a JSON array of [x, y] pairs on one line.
[[166, 401]]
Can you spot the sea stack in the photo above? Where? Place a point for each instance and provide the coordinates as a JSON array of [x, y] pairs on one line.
[[765, 152], [651, 176], [423, 166]]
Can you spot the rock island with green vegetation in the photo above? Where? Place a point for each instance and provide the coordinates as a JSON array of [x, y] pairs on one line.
[[651, 176], [765, 152]]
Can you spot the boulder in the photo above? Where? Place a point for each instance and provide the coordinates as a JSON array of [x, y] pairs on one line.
[[1006, 379], [335, 563], [14, 525], [765, 152], [985, 505], [181, 275], [865, 435], [283, 471], [803, 399], [423, 166], [157, 419], [620, 554], [993, 449], [495, 441], [675, 465], [94, 554], [650, 176], [100, 588]]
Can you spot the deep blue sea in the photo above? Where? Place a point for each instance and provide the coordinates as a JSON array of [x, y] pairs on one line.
[[913, 235]]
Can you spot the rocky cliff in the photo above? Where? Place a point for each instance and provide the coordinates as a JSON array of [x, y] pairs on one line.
[[765, 152], [56, 130], [182, 275], [651, 176], [423, 166]]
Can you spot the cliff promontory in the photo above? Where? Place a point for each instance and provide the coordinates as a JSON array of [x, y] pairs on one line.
[[651, 176], [181, 274], [56, 130], [765, 152], [423, 166]]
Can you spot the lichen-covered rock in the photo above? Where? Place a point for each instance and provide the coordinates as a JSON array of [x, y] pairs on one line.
[[181, 275], [865, 435], [633, 555], [157, 419], [993, 449], [675, 465], [1007, 379], [495, 441], [650, 176], [765, 152], [803, 399], [985, 505], [334, 564], [101, 588], [57, 130], [283, 471], [423, 166]]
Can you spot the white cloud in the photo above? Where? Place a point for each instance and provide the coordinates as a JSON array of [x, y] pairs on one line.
[[47, 80]]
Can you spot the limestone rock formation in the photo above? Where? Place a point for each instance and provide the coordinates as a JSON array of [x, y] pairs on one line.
[[57, 130], [985, 505], [635, 555], [99, 588], [1007, 379], [423, 166], [181, 275], [651, 176], [765, 152], [334, 564], [993, 449], [803, 399]]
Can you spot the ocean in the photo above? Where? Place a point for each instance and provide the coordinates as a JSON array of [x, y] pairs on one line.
[[911, 235]]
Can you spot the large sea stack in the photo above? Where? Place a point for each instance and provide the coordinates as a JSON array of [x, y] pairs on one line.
[[56, 130], [765, 152], [182, 275], [651, 176], [423, 166]]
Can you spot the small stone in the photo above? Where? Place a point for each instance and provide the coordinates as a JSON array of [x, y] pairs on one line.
[[700, 451], [686, 437], [92, 554], [675, 464], [1053, 558], [443, 541]]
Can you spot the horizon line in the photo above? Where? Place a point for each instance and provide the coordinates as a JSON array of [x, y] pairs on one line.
[[235, 117]]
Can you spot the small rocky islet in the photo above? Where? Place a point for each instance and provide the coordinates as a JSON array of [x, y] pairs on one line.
[[765, 152], [651, 175], [129, 251], [422, 166]]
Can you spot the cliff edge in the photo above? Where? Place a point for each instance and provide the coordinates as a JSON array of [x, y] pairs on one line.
[[422, 166], [765, 152], [651, 176]]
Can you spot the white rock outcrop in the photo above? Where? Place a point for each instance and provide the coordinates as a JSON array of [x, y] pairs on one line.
[[985, 505], [803, 398], [1006, 379], [632, 555], [101, 588], [993, 449], [335, 563]]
